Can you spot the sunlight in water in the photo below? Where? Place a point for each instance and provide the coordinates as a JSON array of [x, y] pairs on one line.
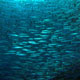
[[22, 0], [28, 0]]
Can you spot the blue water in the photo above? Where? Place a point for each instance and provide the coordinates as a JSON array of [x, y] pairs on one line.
[[39, 39]]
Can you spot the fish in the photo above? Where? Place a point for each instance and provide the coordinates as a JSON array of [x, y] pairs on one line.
[[39, 40]]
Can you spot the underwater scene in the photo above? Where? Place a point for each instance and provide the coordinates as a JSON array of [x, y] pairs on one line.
[[39, 39]]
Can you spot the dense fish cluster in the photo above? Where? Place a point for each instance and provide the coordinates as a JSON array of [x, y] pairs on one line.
[[39, 41]]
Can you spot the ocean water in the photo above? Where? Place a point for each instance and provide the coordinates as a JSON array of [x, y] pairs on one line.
[[39, 39]]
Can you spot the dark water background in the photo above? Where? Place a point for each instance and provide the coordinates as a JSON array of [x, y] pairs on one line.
[[39, 40]]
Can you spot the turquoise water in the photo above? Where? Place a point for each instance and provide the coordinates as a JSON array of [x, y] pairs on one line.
[[39, 39]]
